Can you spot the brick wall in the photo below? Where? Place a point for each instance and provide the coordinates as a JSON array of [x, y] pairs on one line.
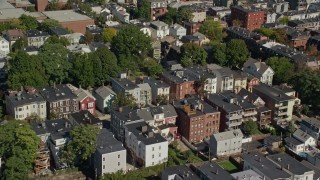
[[78, 26]]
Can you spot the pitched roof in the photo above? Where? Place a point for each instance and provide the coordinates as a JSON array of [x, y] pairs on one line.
[[260, 67], [309, 122], [314, 168], [300, 135], [104, 92], [293, 141], [82, 94]]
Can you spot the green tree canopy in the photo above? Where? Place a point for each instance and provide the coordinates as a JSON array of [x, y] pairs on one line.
[[20, 44], [108, 34], [194, 52], [284, 20], [26, 70], [237, 53], [307, 84], [291, 128], [82, 144], [282, 67], [131, 41], [58, 40], [82, 69], [28, 21], [212, 29], [144, 10], [250, 127], [219, 53], [48, 23], [152, 67], [55, 62], [170, 16], [184, 15], [18, 147], [124, 100]]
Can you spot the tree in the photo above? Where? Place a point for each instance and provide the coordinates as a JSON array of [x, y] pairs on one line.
[[195, 52], [282, 67], [284, 20], [152, 67], [58, 40], [237, 53], [26, 70], [48, 23], [108, 34], [144, 10], [199, 86], [128, 63], [186, 61], [53, 5], [108, 64], [250, 127], [83, 71], [219, 53], [20, 44], [82, 144], [124, 100], [184, 15], [88, 37], [18, 147], [131, 41], [212, 29], [170, 16], [291, 128], [162, 99], [55, 62], [307, 84], [28, 21], [237, 23]]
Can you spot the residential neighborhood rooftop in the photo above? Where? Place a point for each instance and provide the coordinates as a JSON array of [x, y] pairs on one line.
[[106, 143], [65, 15], [148, 136]]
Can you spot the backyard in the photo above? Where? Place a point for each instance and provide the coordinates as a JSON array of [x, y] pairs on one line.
[[228, 166], [175, 157]]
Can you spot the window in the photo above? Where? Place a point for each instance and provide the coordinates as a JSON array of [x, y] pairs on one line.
[[152, 163], [152, 148], [104, 159], [152, 156], [159, 154], [159, 147], [103, 167], [118, 163], [90, 105], [118, 155]]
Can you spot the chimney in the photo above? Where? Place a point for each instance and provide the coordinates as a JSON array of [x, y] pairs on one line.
[[144, 128], [120, 109]]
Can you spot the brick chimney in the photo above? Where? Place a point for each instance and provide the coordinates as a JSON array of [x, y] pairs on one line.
[[41, 5]]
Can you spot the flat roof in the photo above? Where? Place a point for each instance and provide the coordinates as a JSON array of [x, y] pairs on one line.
[[65, 16], [11, 13]]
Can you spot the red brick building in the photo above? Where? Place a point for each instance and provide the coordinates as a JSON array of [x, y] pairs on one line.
[[71, 20], [250, 18], [158, 8], [192, 27], [196, 120], [181, 84]]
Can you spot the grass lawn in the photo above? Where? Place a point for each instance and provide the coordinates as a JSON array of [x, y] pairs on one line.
[[228, 166]]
